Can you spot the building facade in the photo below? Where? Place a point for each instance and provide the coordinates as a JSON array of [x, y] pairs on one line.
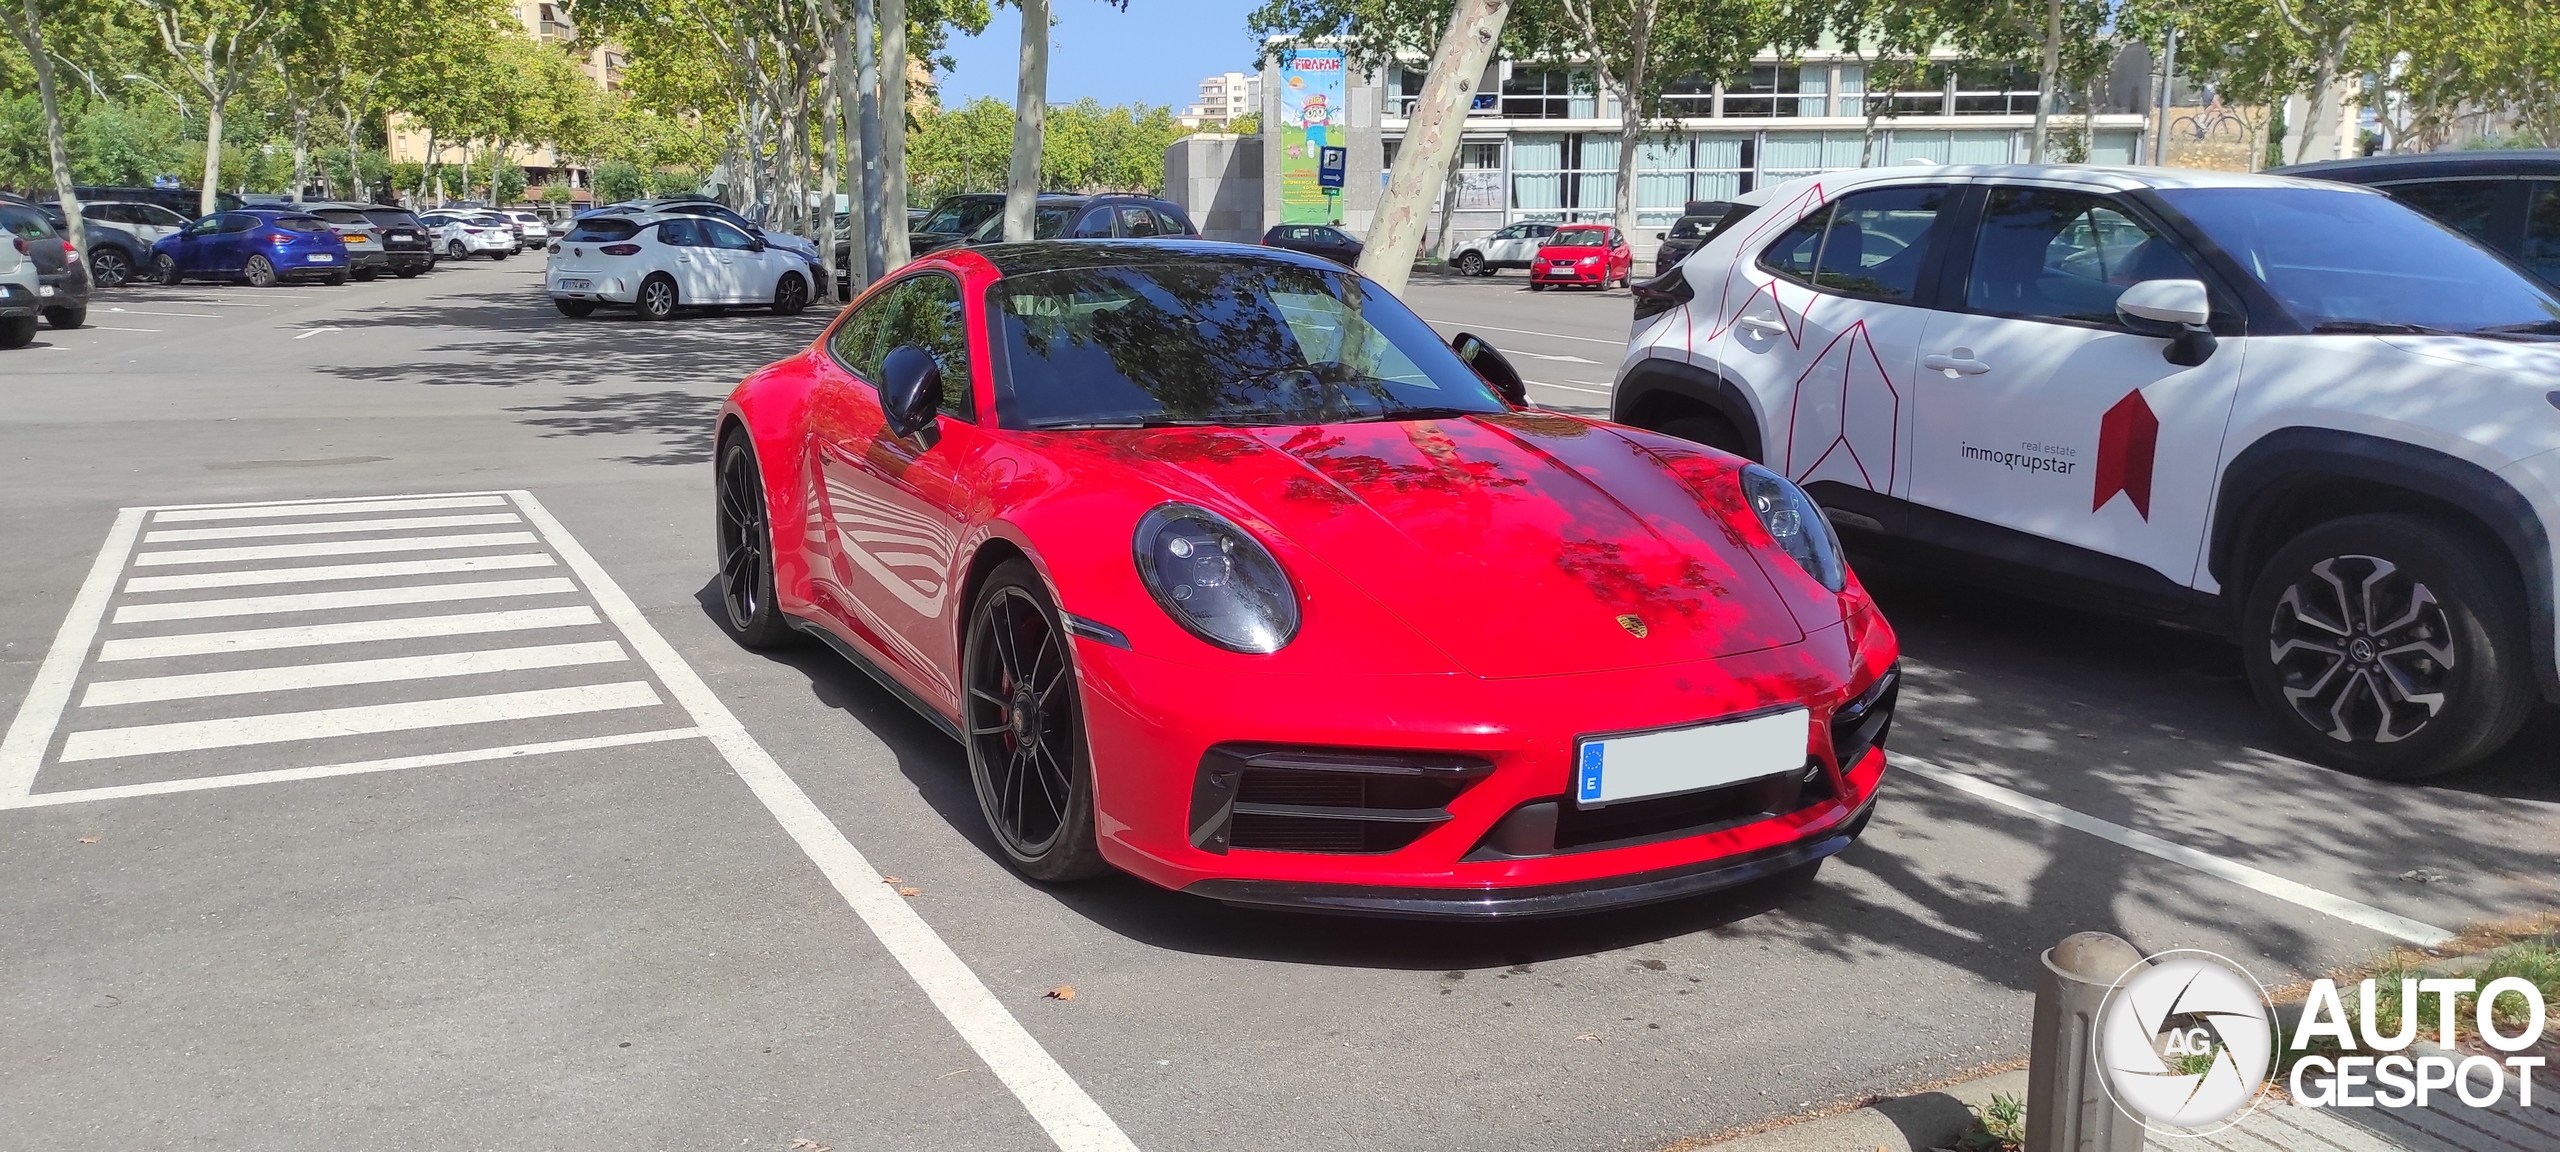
[[1541, 141], [1224, 100], [544, 22]]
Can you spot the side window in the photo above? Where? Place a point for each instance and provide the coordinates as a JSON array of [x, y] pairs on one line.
[[238, 222], [925, 311], [204, 227], [1794, 253], [724, 236], [106, 214], [2047, 254], [1095, 223], [1137, 220], [2469, 205], [682, 232], [1172, 225], [2541, 254], [1876, 242]]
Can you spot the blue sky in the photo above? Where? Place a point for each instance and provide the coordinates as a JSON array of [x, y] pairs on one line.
[[1154, 53]]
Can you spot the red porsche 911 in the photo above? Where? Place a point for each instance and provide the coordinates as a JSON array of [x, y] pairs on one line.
[[1230, 574]]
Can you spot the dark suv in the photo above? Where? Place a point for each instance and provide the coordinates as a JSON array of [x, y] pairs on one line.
[[1689, 233], [62, 284], [408, 245], [952, 220], [2508, 200]]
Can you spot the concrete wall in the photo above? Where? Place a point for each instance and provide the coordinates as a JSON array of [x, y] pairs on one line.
[[1218, 181]]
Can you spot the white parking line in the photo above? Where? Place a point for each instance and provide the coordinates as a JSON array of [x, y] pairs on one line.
[[1566, 387], [22, 748], [324, 771], [393, 524], [113, 328], [351, 632], [268, 511], [1061, 1107], [314, 502], [356, 598], [322, 572], [2256, 880], [246, 681], [360, 720], [330, 548], [139, 312]]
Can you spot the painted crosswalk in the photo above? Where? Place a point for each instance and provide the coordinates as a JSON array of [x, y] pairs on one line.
[[218, 644]]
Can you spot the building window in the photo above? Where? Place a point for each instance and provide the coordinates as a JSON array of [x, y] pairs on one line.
[[1765, 90], [1787, 155], [1691, 97], [2007, 93], [1917, 91], [1540, 95]]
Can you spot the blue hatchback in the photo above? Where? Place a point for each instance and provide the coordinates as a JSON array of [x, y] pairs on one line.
[[264, 246]]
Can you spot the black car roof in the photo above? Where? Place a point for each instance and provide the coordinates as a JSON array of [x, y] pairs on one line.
[[2432, 165], [1056, 255]]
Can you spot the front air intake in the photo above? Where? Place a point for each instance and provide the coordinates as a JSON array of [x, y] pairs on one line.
[[1280, 799]]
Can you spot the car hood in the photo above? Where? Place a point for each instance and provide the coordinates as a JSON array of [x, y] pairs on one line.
[[1514, 543], [1577, 251]]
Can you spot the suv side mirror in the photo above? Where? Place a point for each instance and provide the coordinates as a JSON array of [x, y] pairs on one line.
[[1491, 368], [910, 390], [755, 243], [2178, 309]]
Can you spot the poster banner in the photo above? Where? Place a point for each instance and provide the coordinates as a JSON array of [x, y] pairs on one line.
[[1311, 120]]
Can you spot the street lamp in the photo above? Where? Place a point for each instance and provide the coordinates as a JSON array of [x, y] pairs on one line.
[[174, 98]]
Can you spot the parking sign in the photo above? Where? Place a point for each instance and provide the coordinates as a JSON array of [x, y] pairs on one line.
[[1329, 167]]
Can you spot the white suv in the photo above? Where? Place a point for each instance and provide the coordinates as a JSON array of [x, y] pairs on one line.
[[2295, 413], [21, 297]]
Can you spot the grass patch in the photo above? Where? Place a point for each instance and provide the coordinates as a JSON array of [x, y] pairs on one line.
[[2527, 950], [2000, 1126]]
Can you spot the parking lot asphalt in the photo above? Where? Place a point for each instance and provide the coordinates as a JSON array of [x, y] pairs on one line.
[[645, 942]]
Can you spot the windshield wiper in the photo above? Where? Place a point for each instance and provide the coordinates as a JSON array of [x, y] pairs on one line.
[[2528, 328], [1103, 425], [1418, 412], [2373, 327]]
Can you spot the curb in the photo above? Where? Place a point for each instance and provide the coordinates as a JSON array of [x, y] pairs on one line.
[[1919, 1122]]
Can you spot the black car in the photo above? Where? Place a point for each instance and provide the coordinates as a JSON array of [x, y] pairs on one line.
[[1689, 233], [62, 286], [2508, 200], [951, 221], [1315, 240], [183, 201], [408, 245], [1058, 215]]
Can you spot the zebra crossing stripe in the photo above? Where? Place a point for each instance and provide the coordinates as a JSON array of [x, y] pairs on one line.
[[351, 632], [248, 681], [361, 720], [354, 598]]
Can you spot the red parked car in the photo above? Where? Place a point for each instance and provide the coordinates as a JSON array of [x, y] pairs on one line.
[[1595, 255], [1226, 572]]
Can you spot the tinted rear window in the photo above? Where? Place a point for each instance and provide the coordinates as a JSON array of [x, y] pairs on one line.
[[603, 229], [26, 222], [303, 224], [341, 216], [392, 220]]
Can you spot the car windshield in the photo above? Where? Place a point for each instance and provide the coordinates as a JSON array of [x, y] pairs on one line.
[[1217, 344], [1693, 227], [2341, 260], [1044, 226], [603, 229], [959, 218], [1580, 238]]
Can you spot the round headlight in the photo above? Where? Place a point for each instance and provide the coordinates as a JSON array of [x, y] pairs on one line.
[[1797, 524], [1215, 579]]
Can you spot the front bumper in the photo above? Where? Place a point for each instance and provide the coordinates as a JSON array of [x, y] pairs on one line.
[[1543, 273], [1152, 738]]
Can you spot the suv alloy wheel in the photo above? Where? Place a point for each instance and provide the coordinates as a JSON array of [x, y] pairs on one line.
[[2389, 646]]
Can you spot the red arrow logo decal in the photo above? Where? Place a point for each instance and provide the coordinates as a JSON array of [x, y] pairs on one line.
[[2128, 438]]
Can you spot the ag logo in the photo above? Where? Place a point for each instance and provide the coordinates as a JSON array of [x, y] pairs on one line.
[[2186, 1044]]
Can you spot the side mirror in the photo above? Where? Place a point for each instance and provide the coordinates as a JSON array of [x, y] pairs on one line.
[[755, 244], [1491, 368], [2178, 309], [1661, 235], [910, 390]]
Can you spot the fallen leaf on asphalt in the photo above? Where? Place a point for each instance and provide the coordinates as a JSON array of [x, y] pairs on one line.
[[888, 879], [1062, 992], [814, 1146], [1651, 965], [1594, 1037], [88, 839], [910, 891]]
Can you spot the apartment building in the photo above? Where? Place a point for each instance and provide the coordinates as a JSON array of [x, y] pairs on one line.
[[1223, 100], [546, 23]]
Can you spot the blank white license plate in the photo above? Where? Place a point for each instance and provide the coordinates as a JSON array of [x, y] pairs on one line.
[[1609, 769], [573, 285], [44, 289], [321, 257]]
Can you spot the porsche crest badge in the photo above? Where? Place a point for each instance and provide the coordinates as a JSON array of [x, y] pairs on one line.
[[1634, 626]]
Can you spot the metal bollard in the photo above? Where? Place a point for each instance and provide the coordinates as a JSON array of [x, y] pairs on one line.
[[2068, 1109]]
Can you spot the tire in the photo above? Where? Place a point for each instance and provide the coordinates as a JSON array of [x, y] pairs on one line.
[[365, 275], [335, 279], [166, 269], [1023, 721], [407, 273], [742, 539], [69, 317], [575, 309], [500, 254], [1537, 285], [1471, 264], [790, 295], [455, 252], [2390, 646], [656, 299], [1709, 429], [260, 272], [110, 267], [17, 331]]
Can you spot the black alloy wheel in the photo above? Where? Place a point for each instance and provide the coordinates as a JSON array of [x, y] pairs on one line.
[[166, 269], [743, 535], [2390, 646], [1472, 264], [260, 272], [657, 298], [790, 295], [110, 267], [1024, 722]]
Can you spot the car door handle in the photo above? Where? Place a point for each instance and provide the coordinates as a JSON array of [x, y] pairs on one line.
[[1960, 364], [1759, 324]]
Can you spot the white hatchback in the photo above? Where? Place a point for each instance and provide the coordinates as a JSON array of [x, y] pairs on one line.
[[460, 235], [656, 264]]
